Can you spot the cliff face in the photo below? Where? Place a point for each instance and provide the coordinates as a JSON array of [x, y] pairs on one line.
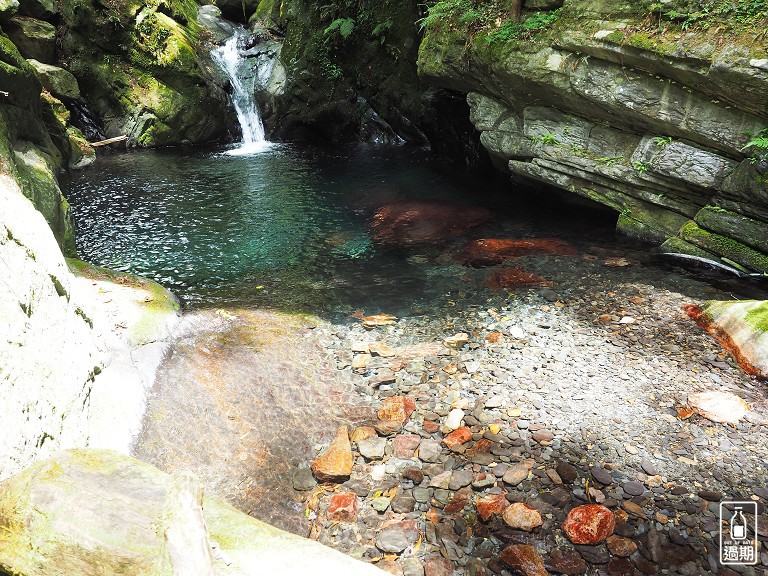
[[68, 375], [619, 105]]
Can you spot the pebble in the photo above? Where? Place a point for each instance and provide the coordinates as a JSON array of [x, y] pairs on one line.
[[633, 488], [373, 448], [601, 475]]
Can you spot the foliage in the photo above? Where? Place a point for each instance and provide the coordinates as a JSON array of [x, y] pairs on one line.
[[344, 26], [548, 139], [735, 14], [640, 166], [511, 30], [662, 141], [490, 17], [758, 146]]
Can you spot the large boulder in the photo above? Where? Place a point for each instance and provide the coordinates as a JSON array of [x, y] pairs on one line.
[[95, 512], [56, 80]]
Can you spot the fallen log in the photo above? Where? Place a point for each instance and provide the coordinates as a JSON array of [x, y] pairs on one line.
[[109, 141]]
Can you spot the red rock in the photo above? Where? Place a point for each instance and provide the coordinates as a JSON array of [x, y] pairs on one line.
[[438, 566], [457, 502], [512, 278], [589, 524], [406, 223], [335, 464], [343, 507], [459, 436], [430, 426], [520, 516], [493, 337], [524, 559], [487, 506], [620, 546], [405, 445], [490, 251]]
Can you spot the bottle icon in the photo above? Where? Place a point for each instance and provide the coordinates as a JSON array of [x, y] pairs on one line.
[[738, 525]]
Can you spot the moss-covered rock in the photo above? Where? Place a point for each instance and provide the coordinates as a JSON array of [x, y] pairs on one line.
[[33, 38], [725, 247], [139, 68], [56, 80]]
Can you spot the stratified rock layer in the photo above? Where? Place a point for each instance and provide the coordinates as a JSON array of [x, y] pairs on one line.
[[655, 128]]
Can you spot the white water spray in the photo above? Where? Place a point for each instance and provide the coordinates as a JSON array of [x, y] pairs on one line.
[[236, 64]]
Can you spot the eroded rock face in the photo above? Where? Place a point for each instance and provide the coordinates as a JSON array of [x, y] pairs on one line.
[[655, 131]]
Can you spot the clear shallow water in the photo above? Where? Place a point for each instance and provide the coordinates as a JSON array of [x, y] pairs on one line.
[[288, 228]]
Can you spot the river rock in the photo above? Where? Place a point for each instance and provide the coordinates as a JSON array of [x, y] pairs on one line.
[[396, 410], [567, 472], [719, 406], [513, 278], [516, 474], [620, 546], [372, 448], [303, 480], [438, 566], [408, 223], [589, 524], [521, 516], [361, 433], [570, 563], [404, 445], [343, 507], [397, 537], [454, 419], [457, 340], [430, 450], [491, 505], [492, 251], [457, 437], [524, 559], [335, 464]]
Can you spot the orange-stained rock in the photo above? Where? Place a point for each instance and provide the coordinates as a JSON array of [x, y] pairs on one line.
[[490, 251], [512, 278], [362, 433], [493, 337], [396, 409], [589, 524], [524, 559], [335, 464], [482, 446], [520, 516], [438, 566], [406, 223], [487, 506], [458, 436], [343, 507]]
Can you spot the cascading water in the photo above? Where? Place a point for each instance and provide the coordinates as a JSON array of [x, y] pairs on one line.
[[237, 64]]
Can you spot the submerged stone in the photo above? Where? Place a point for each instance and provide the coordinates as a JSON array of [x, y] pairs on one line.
[[490, 251], [335, 464]]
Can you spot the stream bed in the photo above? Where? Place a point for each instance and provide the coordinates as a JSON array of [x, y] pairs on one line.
[[559, 337]]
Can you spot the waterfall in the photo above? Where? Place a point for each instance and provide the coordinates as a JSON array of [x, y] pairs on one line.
[[237, 64]]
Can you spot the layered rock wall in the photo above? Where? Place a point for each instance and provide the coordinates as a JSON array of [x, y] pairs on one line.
[[655, 128]]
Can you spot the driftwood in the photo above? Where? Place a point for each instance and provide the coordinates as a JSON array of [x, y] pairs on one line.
[[109, 141]]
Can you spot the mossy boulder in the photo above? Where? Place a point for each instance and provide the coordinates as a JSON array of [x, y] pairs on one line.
[[8, 8], [94, 512], [56, 80], [41, 9], [33, 38]]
